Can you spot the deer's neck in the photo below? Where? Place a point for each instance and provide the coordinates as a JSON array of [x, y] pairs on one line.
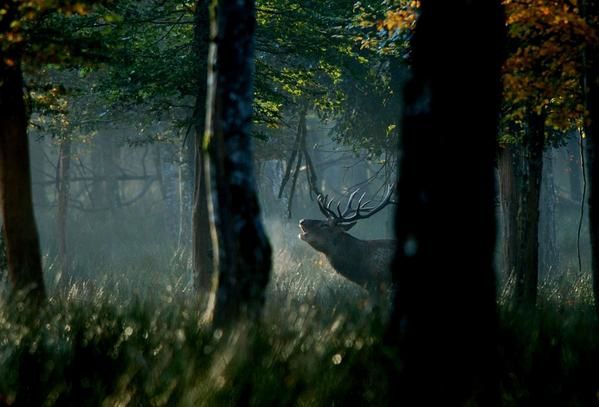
[[348, 258]]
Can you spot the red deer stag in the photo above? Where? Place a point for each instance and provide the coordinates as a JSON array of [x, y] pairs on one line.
[[364, 262]]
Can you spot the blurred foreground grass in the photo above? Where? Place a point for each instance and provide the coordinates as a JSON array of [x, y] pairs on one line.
[[117, 342]]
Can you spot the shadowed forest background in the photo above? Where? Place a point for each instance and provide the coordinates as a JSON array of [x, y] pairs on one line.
[[178, 182]]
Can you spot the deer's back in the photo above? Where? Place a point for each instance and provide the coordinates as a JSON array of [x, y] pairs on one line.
[[382, 253], [380, 258]]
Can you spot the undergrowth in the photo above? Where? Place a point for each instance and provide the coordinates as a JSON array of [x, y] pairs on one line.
[[112, 342]]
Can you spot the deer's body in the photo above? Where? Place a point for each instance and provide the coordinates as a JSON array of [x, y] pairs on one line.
[[364, 262]]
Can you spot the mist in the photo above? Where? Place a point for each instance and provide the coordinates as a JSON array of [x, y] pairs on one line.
[[291, 202]]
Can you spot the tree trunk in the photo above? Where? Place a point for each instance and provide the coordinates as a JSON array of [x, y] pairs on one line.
[[242, 252], [592, 147], [529, 176], [105, 191], [22, 242], [185, 199], [96, 192], [549, 259], [509, 207], [445, 307], [38, 176], [574, 167], [521, 168], [158, 165], [170, 183], [593, 171], [64, 164], [201, 240]]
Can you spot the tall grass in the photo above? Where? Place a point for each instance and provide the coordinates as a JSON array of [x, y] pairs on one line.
[[133, 337]]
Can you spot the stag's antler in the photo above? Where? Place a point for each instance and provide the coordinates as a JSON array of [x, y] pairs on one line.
[[349, 214]]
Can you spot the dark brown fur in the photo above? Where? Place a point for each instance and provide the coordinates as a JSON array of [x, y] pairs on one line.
[[364, 262]]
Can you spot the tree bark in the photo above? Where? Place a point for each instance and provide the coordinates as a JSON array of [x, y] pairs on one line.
[[64, 164], [242, 252], [529, 175], [591, 84], [549, 259], [38, 176], [185, 199], [201, 239], [521, 169], [158, 165], [21, 236], [445, 307], [509, 203], [574, 166]]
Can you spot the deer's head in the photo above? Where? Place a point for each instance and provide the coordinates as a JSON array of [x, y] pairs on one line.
[[324, 235]]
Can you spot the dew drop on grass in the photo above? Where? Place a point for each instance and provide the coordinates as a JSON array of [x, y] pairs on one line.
[[128, 332], [218, 334], [337, 359]]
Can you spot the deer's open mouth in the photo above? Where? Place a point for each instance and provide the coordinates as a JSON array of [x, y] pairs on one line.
[[303, 233]]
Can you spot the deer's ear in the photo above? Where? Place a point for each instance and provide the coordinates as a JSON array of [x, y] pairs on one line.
[[348, 226]]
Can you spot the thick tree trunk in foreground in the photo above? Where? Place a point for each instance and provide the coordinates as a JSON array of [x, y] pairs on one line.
[[445, 308], [64, 164], [22, 242], [592, 130], [242, 252], [201, 240], [593, 171]]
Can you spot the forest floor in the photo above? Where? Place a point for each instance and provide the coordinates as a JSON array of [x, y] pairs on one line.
[[112, 343]]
